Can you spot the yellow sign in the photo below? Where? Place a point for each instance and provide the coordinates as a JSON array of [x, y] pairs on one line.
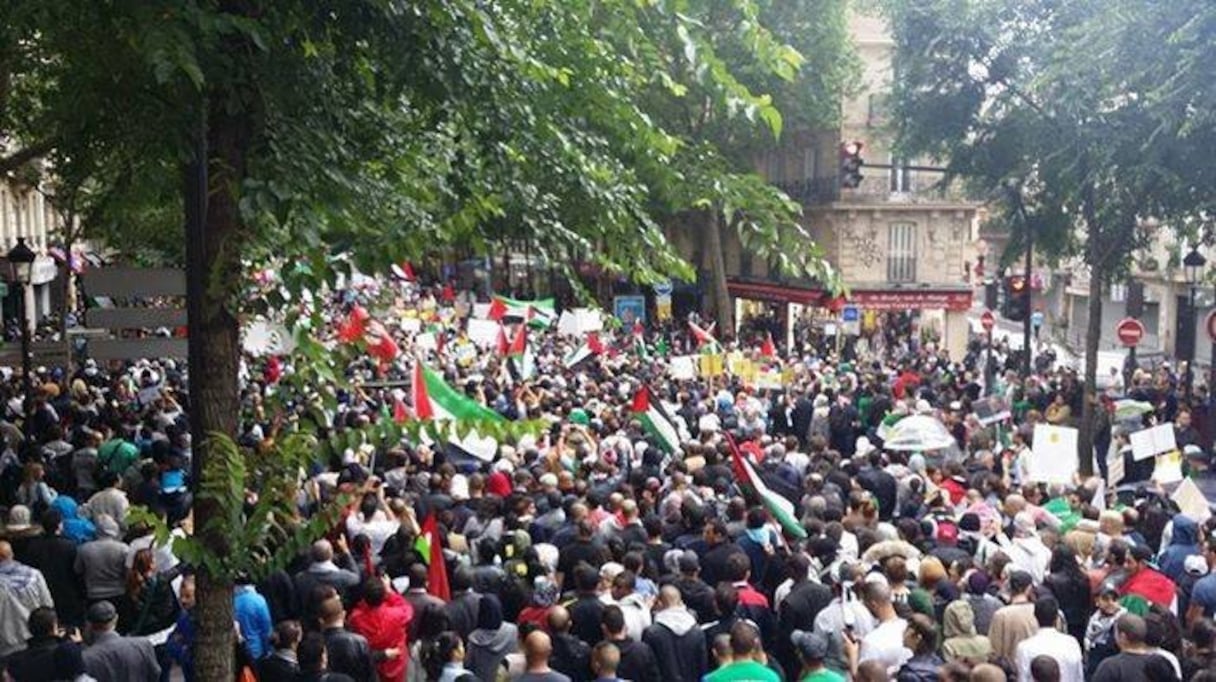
[[712, 365], [662, 307]]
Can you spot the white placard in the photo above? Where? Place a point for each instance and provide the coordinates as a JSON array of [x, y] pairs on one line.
[[426, 341], [1152, 442], [683, 367], [483, 332], [1054, 456], [481, 311], [1191, 501], [1168, 468], [411, 325], [579, 321]]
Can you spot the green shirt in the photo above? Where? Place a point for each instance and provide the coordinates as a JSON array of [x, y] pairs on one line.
[[824, 675], [743, 671], [117, 455]]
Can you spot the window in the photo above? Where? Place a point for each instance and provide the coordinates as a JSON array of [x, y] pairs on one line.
[[900, 176], [901, 252], [878, 106], [810, 164]]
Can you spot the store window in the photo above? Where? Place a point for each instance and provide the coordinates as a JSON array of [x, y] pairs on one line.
[[901, 252]]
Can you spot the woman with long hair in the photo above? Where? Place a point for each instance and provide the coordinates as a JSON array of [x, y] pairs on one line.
[[1071, 587], [150, 607]]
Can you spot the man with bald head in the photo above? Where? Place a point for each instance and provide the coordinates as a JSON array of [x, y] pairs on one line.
[[537, 650], [677, 641], [22, 589], [570, 654]]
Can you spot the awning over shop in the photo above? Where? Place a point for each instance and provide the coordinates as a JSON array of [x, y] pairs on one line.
[[868, 297]]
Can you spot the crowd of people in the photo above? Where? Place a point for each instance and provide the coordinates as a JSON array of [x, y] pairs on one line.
[[591, 552]]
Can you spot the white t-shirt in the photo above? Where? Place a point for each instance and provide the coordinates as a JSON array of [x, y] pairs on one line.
[[885, 644]]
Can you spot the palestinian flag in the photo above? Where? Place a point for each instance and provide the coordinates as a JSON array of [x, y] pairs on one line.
[[435, 400], [589, 347], [768, 349], [704, 338], [520, 356], [504, 346], [430, 546], [400, 413], [656, 421], [539, 313], [780, 508]]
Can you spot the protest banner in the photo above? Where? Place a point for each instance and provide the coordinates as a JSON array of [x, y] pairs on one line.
[[992, 410], [683, 367], [1053, 459], [484, 333], [711, 365], [1153, 441], [1191, 501]]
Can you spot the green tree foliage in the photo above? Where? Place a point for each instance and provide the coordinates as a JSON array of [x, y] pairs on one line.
[[379, 130], [1028, 102]]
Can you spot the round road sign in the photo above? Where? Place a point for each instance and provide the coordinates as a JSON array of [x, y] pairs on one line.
[[988, 320], [1130, 331]]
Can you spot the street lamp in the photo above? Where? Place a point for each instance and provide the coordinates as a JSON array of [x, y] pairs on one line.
[[1192, 266], [21, 262]]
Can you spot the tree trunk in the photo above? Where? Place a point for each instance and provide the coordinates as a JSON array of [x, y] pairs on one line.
[[1093, 336], [724, 310], [213, 280]]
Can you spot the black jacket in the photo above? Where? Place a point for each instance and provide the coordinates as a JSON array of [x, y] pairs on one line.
[[571, 657], [797, 612], [638, 662], [55, 557], [35, 663], [698, 597], [462, 612], [713, 564], [679, 645], [585, 615], [276, 668], [349, 654]]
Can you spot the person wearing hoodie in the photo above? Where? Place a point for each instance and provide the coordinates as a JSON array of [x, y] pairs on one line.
[[633, 605], [1184, 542], [102, 563], [961, 641], [920, 637], [678, 643], [491, 641], [384, 617]]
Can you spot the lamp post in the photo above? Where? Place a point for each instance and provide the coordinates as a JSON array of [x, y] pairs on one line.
[[1192, 266], [21, 262]]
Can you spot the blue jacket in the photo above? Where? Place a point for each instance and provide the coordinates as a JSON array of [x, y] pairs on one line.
[[253, 616], [1183, 543]]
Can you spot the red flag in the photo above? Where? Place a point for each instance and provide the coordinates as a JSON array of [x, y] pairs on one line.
[[354, 327], [400, 414], [273, 371], [422, 399], [437, 570], [767, 349], [594, 343], [449, 293], [504, 346], [519, 344], [702, 336], [498, 310]]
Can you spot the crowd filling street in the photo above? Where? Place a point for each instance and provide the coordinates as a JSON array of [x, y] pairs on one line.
[[694, 507]]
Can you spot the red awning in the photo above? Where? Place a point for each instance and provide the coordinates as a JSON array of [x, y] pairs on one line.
[[905, 299], [780, 293]]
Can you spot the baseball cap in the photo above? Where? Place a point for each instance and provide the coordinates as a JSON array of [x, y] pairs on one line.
[[102, 612], [811, 646]]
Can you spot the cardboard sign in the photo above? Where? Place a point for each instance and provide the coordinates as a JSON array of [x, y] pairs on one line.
[[683, 367], [1168, 468], [1191, 501], [483, 332], [1054, 456], [1153, 441], [991, 410], [426, 341]]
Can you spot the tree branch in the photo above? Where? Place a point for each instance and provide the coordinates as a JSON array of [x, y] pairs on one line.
[[22, 156]]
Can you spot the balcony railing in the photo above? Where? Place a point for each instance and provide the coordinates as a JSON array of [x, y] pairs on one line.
[[809, 191]]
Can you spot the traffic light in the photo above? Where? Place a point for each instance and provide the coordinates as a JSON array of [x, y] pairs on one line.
[[850, 164], [1017, 298]]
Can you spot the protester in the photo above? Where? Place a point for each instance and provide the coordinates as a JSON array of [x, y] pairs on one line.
[[758, 522]]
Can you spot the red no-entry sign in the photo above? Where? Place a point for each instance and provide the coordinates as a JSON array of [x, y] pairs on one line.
[[988, 321], [1130, 331]]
